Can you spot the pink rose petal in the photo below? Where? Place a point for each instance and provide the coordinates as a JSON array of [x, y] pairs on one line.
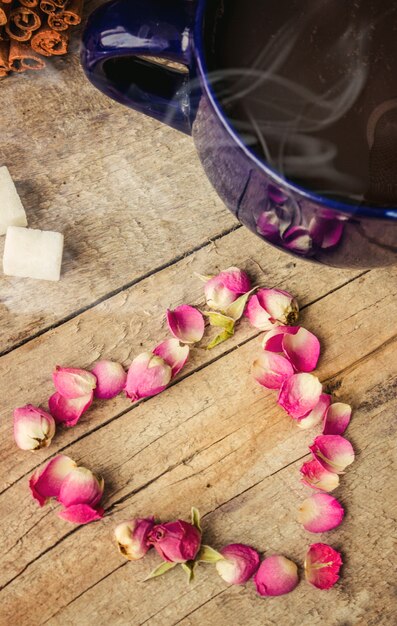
[[273, 340], [81, 514], [322, 565], [276, 576], [326, 233], [316, 416], [73, 383], [147, 376], [239, 565], [46, 482], [316, 477], [186, 324], [280, 305], [303, 350], [333, 452], [257, 315], [299, 394], [111, 378], [68, 411], [173, 353], [81, 486], [297, 239], [270, 370], [337, 419], [320, 513]]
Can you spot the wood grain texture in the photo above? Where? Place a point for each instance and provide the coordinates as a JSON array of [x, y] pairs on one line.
[[128, 193]]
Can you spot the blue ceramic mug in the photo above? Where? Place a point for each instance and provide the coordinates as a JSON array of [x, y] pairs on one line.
[[121, 38]]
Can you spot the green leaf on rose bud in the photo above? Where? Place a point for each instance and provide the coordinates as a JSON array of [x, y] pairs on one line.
[[223, 336], [188, 567], [219, 320], [209, 555], [196, 517], [160, 570], [236, 309], [203, 278]]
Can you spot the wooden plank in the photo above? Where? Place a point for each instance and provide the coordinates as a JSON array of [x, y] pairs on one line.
[[244, 477], [128, 193], [134, 321]]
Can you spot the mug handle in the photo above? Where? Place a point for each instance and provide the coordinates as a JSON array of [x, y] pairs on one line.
[[118, 41]]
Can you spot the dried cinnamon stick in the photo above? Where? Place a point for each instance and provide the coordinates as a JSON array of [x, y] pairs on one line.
[[30, 4], [21, 23], [4, 12], [71, 16], [48, 42], [48, 6], [23, 58], [4, 54]]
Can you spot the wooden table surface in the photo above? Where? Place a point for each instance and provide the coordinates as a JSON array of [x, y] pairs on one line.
[[139, 219]]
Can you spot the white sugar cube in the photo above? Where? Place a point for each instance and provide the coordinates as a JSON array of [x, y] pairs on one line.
[[33, 253], [12, 212]]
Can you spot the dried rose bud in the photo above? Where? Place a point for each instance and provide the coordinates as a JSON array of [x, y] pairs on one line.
[[269, 307], [238, 565], [302, 349], [337, 419], [270, 370], [316, 477], [186, 324], [173, 353], [320, 513], [46, 482], [73, 383], [147, 376], [80, 494], [111, 378], [299, 394], [333, 452], [132, 537], [33, 428], [222, 290], [176, 542], [68, 411], [322, 565], [276, 576]]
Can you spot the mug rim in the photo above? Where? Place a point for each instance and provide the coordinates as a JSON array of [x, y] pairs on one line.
[[385, 213]]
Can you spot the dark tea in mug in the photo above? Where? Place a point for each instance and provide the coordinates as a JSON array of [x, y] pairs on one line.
[[311, 87]]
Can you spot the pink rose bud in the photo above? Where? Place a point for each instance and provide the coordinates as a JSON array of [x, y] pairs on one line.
[[320, 513], [176, 542], [33, 428], [80, 494], [111, 378], [73, 383], [173, 353], [186, 323], [302, 349], [68, 411], [276, 576], [222, 290], [333, 452], [299, 394], [337, 419], [322, 565], [46, 482], [272, 307], [270, 370], [273, 340], [132, 537], [316, 416], [147, 376], [316, 477], [239, 564]]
